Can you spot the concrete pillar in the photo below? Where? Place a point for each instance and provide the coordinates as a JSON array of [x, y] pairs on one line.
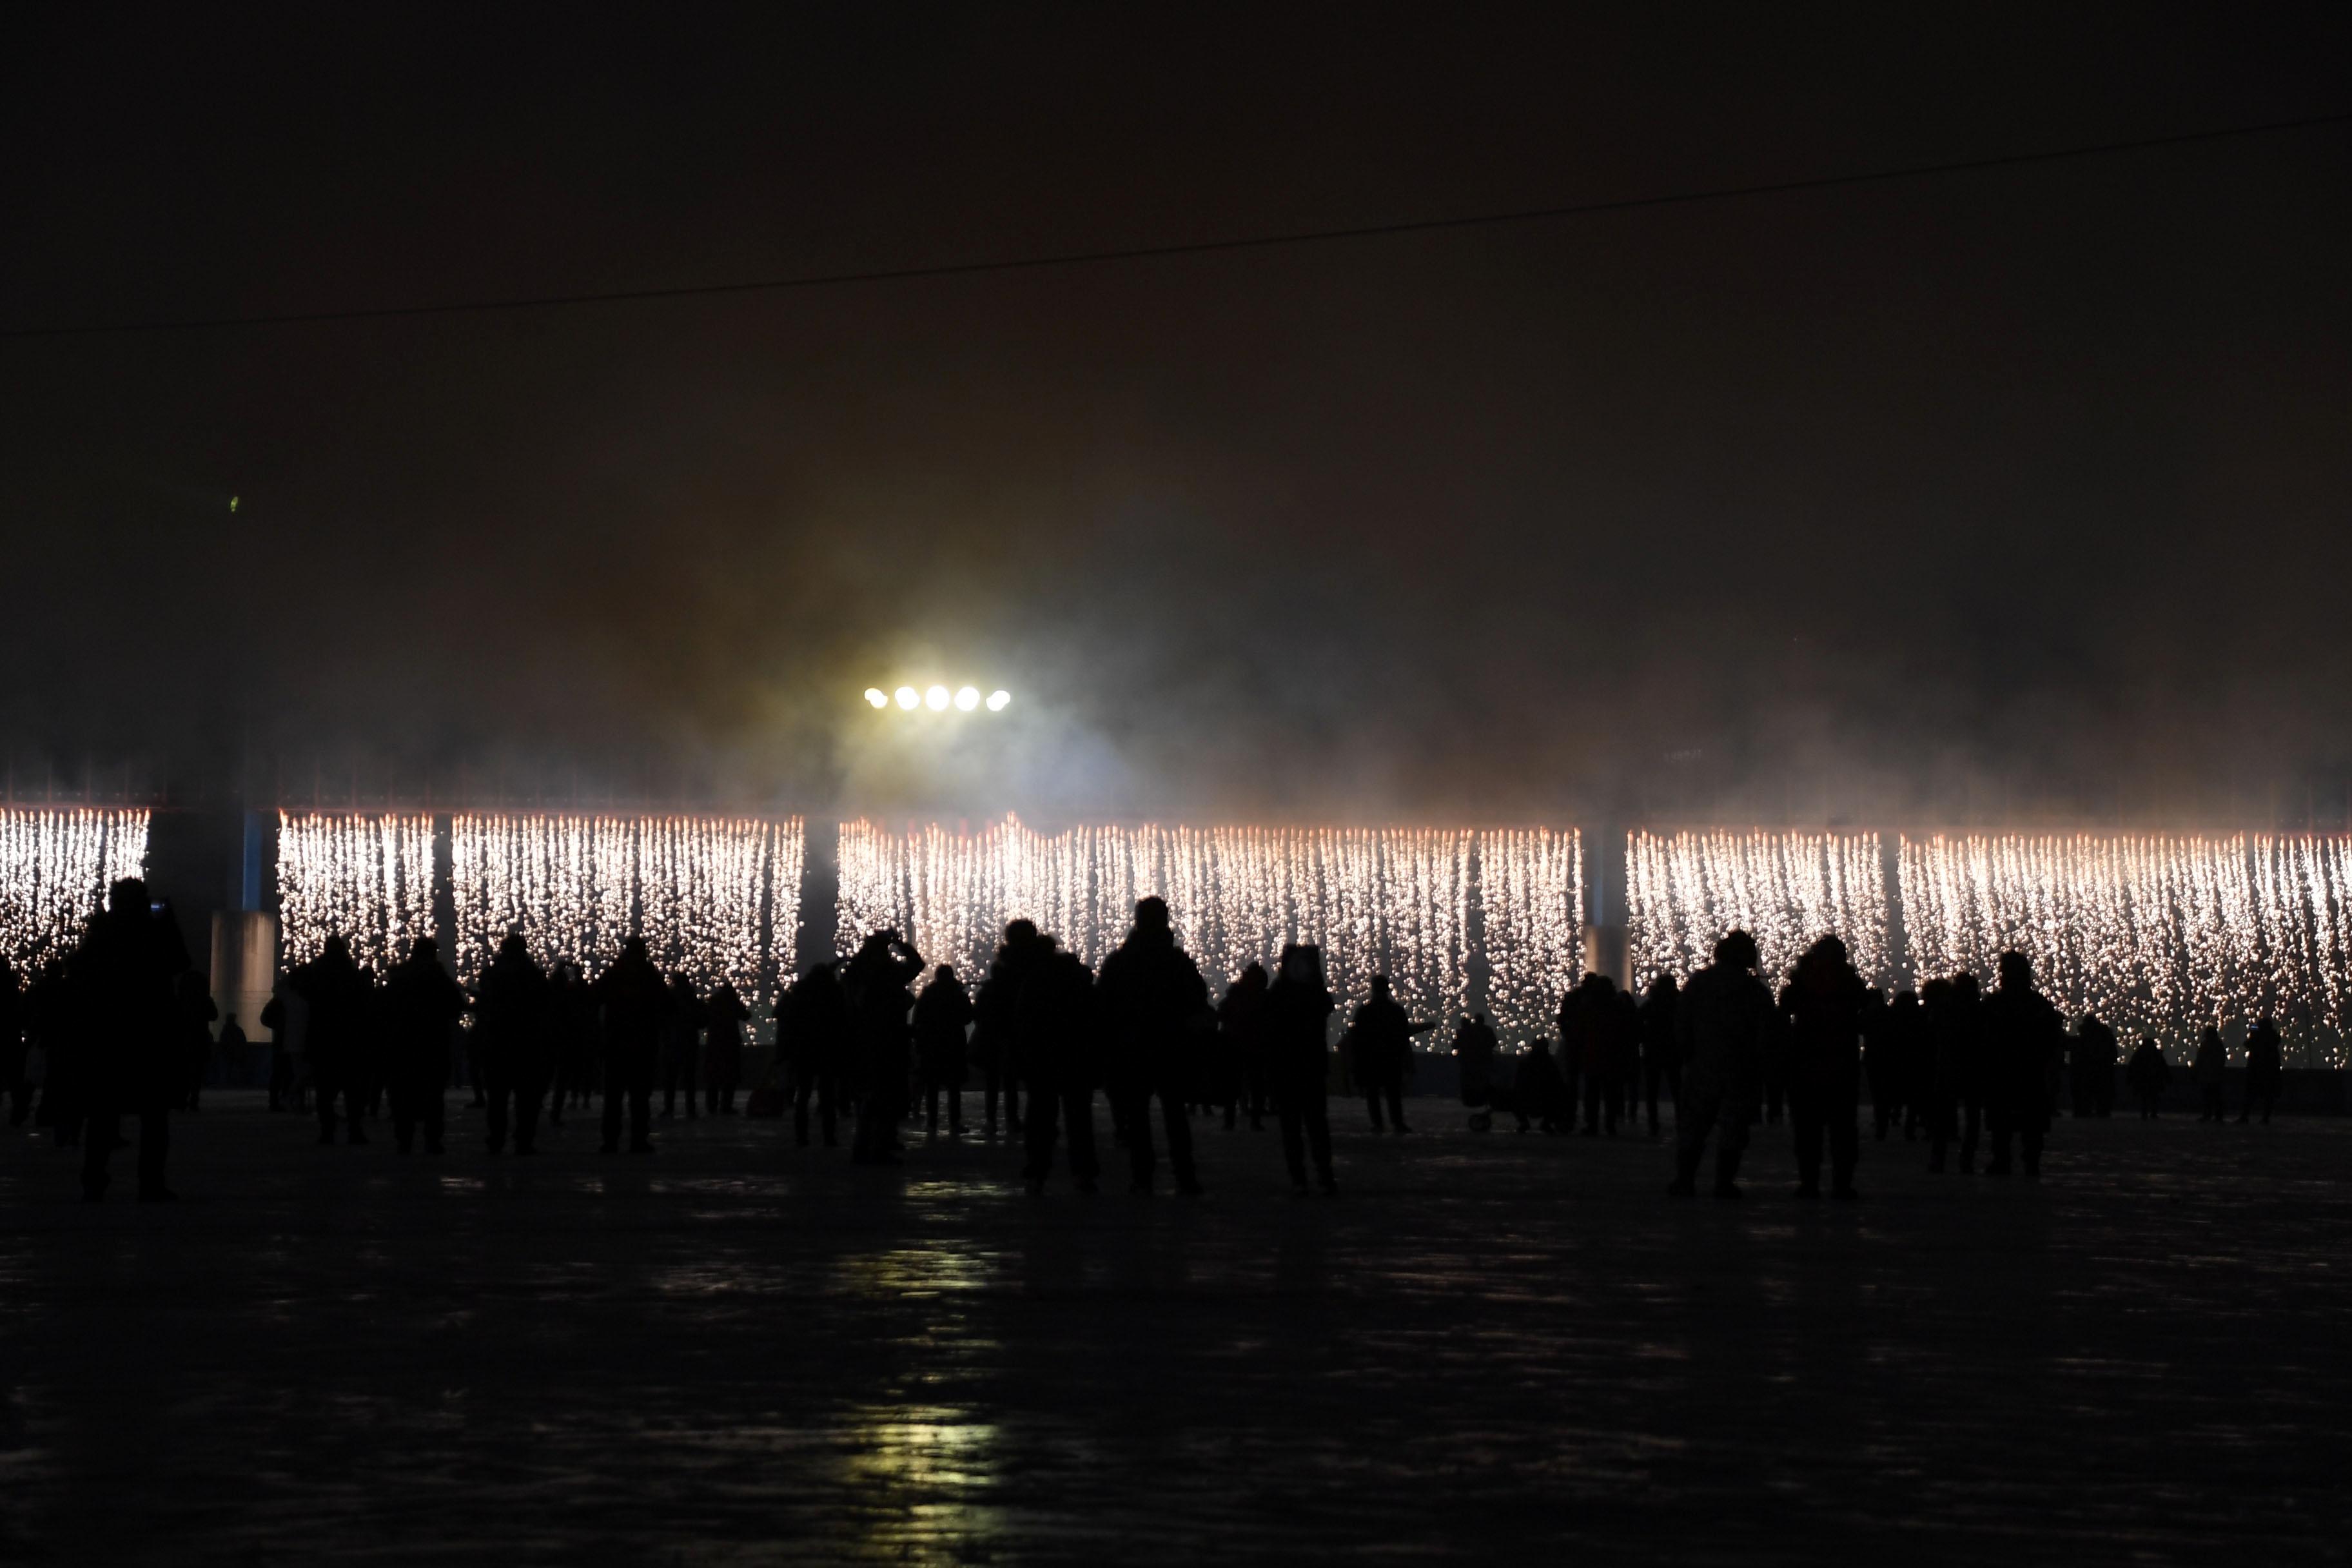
[[245, 971]]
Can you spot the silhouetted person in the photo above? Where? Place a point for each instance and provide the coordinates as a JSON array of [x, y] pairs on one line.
[[1473, 1050], [57, 1027], [1382, 1033], [1241, 1024], [2024, 1040], [1662, 1061], [876, 979], [992, 1022], [2264, 1069], [2091, 1063], [1877, 1019], [232, 1042], [1152, 999], [2211, 1067], [633, 1000], [129, 959], [192, 1012], [723, 1017], [1956, 1037], [1298, 1007], [2148, 1073], [514, 1024], [1054, 1029], [681, 1044], [339, 1034], [1910, 1066], [1823, 1003], [282, 1071], [1599, 1041], [422, 1007], [12, 1048], [942, 1013], [812, 1030], [577, 1069], [1540, 1096], [1724, 1024]]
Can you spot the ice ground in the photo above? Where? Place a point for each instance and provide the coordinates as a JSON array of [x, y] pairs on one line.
[[1486, 1347]]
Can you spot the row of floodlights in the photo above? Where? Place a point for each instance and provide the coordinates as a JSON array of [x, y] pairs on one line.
[[939, 699]]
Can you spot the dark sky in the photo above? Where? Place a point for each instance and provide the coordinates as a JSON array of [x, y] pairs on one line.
[[2018, 491]]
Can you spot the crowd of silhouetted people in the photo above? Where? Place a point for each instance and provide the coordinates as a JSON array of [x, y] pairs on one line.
[[883, 1043]]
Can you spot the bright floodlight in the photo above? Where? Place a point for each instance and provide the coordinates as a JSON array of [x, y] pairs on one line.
[[907, 698], [876, 698], [999, 700], [936, 700], [967, 699]]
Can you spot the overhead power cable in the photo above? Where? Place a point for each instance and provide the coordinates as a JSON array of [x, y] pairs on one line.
[[1175, 248]]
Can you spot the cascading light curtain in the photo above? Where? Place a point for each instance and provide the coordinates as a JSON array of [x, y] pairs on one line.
[[2159, 933], [56, 863], [1684, 890], [716, 897], [1401, 902], [366, 878]]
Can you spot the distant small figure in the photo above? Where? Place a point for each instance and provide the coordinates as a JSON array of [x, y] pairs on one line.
[[2211, 1067], [1539, 1097], [1298, 1006], [232, 1042], [124, 973], [2024, 1037], [2147, 1074], [992, 1014], [1662, 1062], [942, 1013], [813, 1033], [514, 1025], [422, 1007], [577, 1069], [1956, 1044], [681, 1054], [339, 1034], [1152, 999], [1723, 1025], [1824, 1004], [723, 1017], [2264, 1070], [1474, 1064], [881, 1038], [192, 1013], [1241, 1025], [1055, 1032], [633, 1000], [13, 1050], [1382, 1033], [2091, 1064]]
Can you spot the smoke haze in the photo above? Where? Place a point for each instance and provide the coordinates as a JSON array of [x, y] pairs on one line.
[[2010, 494]]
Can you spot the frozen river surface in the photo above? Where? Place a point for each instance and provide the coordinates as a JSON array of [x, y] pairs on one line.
[[1486, 1348]]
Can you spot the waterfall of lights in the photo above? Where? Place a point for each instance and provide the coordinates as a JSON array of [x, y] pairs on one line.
[[1398, 902], [2163, 935], [1785, 889], [369, 879], [55, 866], [1532, 908], [717, 898]]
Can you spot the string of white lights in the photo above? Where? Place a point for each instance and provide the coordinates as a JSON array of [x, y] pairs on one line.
[[1786, 889], [715, 897], [366, 878], [56, 863], [1400, 902]]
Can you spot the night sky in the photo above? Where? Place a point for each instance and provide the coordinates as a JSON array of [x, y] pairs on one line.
[[2018, 494]]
